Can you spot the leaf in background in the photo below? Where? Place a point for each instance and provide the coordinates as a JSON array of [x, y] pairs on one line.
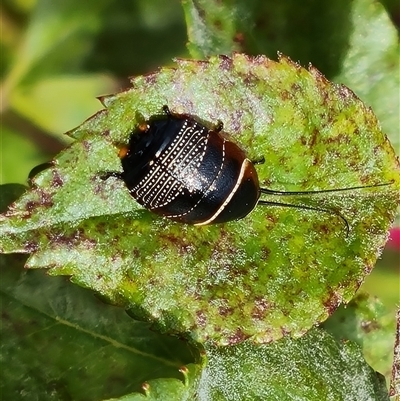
[[9, 193], [366, 321], [278, 271], [59, 342], [59, 34], [15, 146], [137, 36], [265, 27], [212, 26], [383, 281], [371, 64], [53, 99], [312, 368]]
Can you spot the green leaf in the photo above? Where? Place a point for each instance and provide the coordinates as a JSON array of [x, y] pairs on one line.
[[383, 281], [57, 35], [366, 321], [59, 342], [16, 146], [312, 368], [372, 62], [58, 116], [212, 26], [280, 270], [9, 193]]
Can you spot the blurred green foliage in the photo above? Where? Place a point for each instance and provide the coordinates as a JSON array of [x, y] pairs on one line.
[[57, 56]]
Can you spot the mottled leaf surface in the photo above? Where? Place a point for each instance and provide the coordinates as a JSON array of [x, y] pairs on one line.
[[280, 270], [59, 342], [312, 368], [367, 322], [213, 26]]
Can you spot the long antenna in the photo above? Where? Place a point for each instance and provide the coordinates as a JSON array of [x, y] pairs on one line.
[[321, 191], [318, 209]]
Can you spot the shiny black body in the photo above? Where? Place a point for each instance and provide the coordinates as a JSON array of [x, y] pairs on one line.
[[178, 168]]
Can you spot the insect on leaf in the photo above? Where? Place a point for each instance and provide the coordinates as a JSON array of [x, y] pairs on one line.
[[279, 270]]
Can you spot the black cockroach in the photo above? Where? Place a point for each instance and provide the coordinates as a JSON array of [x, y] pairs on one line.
[[179, 169]]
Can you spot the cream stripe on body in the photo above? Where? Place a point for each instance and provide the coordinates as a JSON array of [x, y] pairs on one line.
[[229, 197]]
